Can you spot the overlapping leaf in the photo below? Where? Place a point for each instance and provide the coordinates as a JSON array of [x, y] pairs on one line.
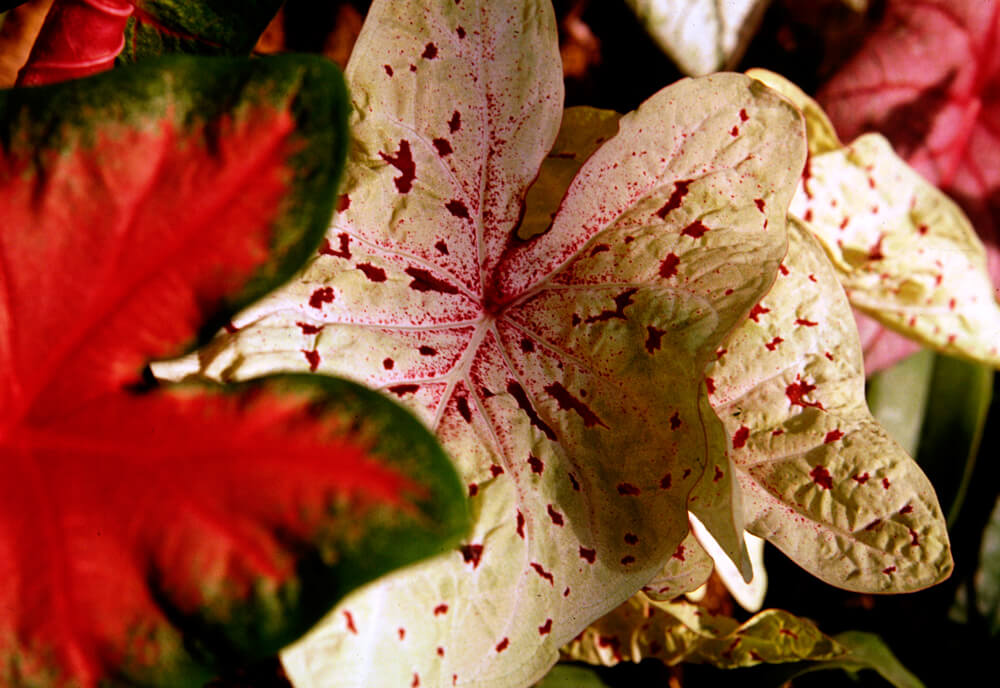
[[701, 36], [675, 632], [820, 478], [561, 372], [154, 536], [904, 252]]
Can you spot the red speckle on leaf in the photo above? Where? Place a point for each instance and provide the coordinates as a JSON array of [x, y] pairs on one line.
[[777, 431], [833, 436], [440, 609], [527, 346], [590, 555], [668, 268], [861, 479], [654, 338], [471, 554], [821, 477], [423, 281], [696, 230], [460, 31], [875, 252], [888, 570], [631, 538], [402, 160], [516, 391], [678, 194], [773, 344], [520, 525], [922, 229], [874, 524], [430, 52], [540, 570], [556, 517], [743, 115], [718, 475], [914, 538], [665, 482], [828, 355], [388, 69], [759, 202], [401, 390], [567, 402], [427, 351], [600, 248], [402, 633], [628, 490], [805, 322], [789, 633], [373, 273], [758, 311], [416, 681], [463, 409], [388, 364], [735, 131], [627, 559], [740, 437], [574, 482], [502, 645], [455, 123], [622, 301], [440, 651], [312, 357], [675, 420], [350, 622], [782, 269], [809, 215], [797, 391], [473, 489], [844, 223], [343, 203], [678, 553], [710, 385], [566, 592], [308, 328], [575, 320], [545, 628], [321, 296], [443, 147], [886, 483], [906, 509], [536, 464], [441, 247]]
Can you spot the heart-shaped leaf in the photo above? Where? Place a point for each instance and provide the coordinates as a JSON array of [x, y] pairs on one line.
[[701, 36], [820, 478], [680, 631], [154, 536], [927, 80], [561, 372]]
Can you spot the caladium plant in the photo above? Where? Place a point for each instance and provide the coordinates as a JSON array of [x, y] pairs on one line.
[[926, 79], [155, 535]]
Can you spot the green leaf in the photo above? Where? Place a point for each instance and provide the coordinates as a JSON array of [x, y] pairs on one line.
[[561, 373], [681, 631], [201, 27], [571, 676], [898, 398], [863, 651], [820, 478], [987, 578], [701, 36]]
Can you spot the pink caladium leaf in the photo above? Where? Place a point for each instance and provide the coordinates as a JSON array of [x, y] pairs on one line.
[[153, 536], [561, 372], [927, 79], [820, 478]]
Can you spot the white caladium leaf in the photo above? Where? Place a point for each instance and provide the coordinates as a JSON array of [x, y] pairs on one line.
[[905, 253], [687, 570], [561, 373], [681, 631], [821, 479], [749, 594], [701, 36]]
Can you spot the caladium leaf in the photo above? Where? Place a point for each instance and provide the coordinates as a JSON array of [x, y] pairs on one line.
[[204, 27], [562, 372], [926, 79], [987, 578], [680, 631], [688, 568], [701, 36], [904, 252], [748, 594], [153, 536], [821, 479], [571, 676]]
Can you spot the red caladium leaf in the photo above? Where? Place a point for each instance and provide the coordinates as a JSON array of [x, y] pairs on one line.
[[152, 536], [928, 79], [561, 372]]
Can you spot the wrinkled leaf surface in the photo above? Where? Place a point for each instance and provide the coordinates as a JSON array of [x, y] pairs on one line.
[[562, 372], [155, 536]]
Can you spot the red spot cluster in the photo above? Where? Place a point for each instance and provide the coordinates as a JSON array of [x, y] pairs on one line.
[[440, 609], [556, 517], [350, 622], [502, 645], [822, 477], [402, 160], [628, 490], [321, 296], [740, 437], [471, 554], [833, 436], [668, 267], [695, 230], [309, 329], [520, 525], [540, 570], [589, 555], [797, 391], [312, 357], [545, 628], [343, 251]]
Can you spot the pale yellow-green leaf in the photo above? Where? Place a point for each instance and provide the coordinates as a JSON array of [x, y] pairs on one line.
[[561, 373], [701, 36], [905, 253], [687, 569], [821, 479], [821, 135], [681, 631]]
